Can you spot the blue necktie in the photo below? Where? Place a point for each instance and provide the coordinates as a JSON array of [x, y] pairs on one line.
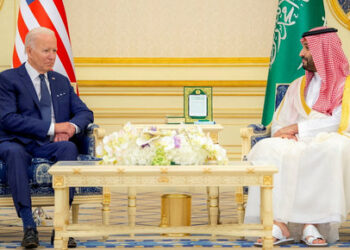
[[45, 100]]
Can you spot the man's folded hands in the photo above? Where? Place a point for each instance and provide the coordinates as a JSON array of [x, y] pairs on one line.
[[63, 131], [288, 132]]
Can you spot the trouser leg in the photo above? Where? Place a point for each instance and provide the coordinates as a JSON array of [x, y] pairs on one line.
[[17, 161], [58, 151]]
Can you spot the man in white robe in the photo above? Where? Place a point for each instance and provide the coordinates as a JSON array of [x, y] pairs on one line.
[[310, 146]]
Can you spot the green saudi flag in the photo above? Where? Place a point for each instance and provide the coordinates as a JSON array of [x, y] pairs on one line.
[[294, 17]]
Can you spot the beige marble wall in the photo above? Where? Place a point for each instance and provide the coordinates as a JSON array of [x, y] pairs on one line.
[[7, 30], [233, 107], [164, 28], [171, 28]]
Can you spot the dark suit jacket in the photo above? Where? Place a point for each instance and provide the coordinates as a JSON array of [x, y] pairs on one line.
[[20, 116]]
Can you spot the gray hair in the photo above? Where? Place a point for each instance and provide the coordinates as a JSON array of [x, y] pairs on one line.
[[33, 34]]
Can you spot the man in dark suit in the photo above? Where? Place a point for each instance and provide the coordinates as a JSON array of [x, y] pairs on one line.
[[39, 114]]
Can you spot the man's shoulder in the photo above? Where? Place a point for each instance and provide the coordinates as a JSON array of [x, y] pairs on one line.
[[296, 82], [11, 73], [297, 79]]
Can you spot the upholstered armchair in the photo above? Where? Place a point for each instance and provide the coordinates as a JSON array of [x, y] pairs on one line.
[[250, 136], [41, 181]]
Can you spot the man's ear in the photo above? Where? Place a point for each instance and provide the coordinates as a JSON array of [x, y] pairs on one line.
[[27, 50]]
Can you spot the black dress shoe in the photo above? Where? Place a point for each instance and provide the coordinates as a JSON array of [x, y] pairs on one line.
[[71, 241], [30, 238]]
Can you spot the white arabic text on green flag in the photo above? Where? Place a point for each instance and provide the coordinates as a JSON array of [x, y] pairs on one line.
[[294, 17]]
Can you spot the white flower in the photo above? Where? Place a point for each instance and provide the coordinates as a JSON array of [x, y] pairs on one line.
[[186, 146]]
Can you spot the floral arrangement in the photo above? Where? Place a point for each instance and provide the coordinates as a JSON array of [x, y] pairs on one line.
[[186, 146]]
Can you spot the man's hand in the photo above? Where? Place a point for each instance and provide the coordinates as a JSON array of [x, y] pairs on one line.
[[287, 136], [288, 132], [61, 137], [64, 128]]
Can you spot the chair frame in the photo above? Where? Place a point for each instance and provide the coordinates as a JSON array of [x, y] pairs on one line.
[[104, 198]]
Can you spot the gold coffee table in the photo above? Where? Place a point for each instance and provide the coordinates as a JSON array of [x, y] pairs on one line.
[[84, 174]]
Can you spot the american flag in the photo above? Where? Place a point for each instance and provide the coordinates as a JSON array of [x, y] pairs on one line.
[[49, 14]]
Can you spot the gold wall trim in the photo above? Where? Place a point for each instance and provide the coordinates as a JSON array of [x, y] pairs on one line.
[[162, 94], [99, 115], [162, 112], [342, 17], [172, 62], [1, 3], [170, 83]]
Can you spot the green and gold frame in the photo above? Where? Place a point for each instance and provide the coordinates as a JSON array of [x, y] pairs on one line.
[[341, 11], [198, 103]]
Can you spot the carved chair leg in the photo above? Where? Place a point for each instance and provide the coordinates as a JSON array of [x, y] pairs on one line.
[[37, 215], [213, 205], [75, 213], [40, 216], [106, 203], [132, 208]]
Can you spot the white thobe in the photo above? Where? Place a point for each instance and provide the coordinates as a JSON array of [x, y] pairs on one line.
[[312, 127], [313, 182]]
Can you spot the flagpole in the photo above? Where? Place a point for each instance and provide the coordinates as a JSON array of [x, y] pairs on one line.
[[292, 19]]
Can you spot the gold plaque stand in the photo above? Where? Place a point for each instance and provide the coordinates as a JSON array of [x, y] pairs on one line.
[[175, 211]]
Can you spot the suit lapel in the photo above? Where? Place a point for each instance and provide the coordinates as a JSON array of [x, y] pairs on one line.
[[28, 84], [52, 80]]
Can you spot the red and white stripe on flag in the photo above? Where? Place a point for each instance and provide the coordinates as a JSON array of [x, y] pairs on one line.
[[49, 14]]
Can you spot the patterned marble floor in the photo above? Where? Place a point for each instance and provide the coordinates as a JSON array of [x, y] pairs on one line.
[[148, 213]]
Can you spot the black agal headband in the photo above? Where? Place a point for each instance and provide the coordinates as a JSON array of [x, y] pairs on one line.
[[317, 32]]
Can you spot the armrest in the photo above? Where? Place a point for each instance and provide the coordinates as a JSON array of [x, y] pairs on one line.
[[91, 137], [98, 134], [251, 135]]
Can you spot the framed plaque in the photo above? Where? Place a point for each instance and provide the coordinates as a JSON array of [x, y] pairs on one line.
[[198, 104]]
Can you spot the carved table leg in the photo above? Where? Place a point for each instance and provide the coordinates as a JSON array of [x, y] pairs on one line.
[[213, 205], [240, 204], [132, 207], [106, 203], [267, 216], [61, 217]]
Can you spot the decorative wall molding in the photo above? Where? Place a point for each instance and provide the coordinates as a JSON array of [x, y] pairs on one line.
[[170, 83], [1, 3], [172, 62], [147, 94], [147, 113]]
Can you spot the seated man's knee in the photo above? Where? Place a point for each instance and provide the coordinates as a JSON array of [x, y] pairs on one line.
[[67, 150], [14, 151]]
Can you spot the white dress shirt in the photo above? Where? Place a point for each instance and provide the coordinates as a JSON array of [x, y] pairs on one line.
[[34, 76]]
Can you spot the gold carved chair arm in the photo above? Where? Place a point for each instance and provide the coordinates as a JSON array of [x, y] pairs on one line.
[[251, 135]]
